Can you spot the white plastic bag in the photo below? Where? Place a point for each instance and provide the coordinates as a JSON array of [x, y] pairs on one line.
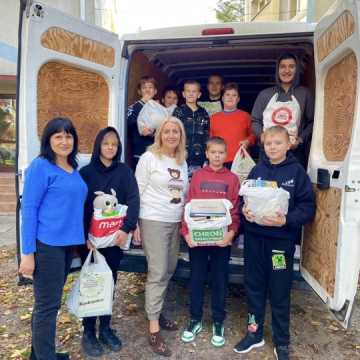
[[92, 294], [151, 115], [264, 201], [242, 164], [103, 228], [207, 230]]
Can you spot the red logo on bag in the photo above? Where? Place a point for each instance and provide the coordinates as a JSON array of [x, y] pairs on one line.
[[281, 116], [105, 227]]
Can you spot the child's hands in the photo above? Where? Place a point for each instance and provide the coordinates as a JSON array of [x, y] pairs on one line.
[[244, 143], [121, 238], [147, 131], [249, 215], [90, 245], [146, 97], [277, 220], [190, 243], [227, 240], [137, 236], [27, 265]]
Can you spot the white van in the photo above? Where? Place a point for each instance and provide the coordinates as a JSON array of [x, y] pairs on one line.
[[70, 68]]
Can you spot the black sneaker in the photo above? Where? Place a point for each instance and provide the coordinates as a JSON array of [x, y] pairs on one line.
[[249, 342], [91, 345], [281, 352], [108, 337]]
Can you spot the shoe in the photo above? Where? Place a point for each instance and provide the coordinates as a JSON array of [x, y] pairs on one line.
[[90, 344], [62, 356], [158, 344], [281, 352], [192, 330], [108, 337], [166, 324], [249, 342], [218, 338]]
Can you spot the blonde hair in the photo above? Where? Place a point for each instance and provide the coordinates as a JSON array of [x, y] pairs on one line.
[[157, 147], [277, 130]]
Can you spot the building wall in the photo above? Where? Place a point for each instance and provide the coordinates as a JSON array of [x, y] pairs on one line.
[[321, 7]]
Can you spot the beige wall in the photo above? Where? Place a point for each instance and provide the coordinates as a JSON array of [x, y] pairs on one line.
[[321, 7]]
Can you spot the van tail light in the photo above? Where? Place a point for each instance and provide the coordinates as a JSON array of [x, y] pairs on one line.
[[218, 31]]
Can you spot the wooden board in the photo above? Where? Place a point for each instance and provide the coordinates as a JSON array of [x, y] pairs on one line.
[[69, 43], [141, 66], [80, 95], [337, 33], [339, 104], [319, 245]]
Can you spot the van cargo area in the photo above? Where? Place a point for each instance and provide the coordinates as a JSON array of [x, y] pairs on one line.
[[250, 62]]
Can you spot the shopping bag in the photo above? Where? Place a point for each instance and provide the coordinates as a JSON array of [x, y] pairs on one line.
[[242, 164], [207, 220], [264, 198], [151, 115], [92, 293]]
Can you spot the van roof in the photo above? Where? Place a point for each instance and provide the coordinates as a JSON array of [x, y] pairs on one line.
[[244, 29]]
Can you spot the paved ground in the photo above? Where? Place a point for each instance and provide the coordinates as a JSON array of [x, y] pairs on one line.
[[315, 333]]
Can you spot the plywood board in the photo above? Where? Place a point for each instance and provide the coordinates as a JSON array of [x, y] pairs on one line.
[[80, 95], [319, 246], [338, 32], [339, 104], [69, 43], [141, 66]]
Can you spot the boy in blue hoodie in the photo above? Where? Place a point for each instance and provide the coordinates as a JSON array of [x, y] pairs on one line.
[[269, 247]]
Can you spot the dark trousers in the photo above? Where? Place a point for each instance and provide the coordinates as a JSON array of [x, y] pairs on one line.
[[112, 256], [52, 265], [269, 272], [218, 259]]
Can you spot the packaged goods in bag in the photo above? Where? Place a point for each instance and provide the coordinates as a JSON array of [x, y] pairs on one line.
[[108, 218], [212, 107], [151, 115], [242, 164], [207, 220], [92, 294], [264, 198]]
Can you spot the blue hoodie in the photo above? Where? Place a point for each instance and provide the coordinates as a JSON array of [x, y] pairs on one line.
[[290, 176]]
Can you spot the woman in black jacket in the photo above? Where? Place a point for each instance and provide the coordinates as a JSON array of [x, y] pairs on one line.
[[106, 172]]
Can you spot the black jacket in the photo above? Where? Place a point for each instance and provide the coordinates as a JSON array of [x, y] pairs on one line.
[[118, 176], [290, 176], [197, 127]]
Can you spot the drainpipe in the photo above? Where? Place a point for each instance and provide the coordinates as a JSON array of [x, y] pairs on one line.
[[311, 11]]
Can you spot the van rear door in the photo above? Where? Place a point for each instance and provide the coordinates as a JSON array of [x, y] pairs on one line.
[[67, 68], [330, 259]]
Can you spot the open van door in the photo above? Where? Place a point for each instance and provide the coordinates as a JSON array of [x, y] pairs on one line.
[[66, 68], [330, 259]]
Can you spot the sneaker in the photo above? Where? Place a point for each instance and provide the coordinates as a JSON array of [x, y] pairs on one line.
[[218, 339], [281, 352], [108, 337], [249, 342], [192, 330], [91, 345]]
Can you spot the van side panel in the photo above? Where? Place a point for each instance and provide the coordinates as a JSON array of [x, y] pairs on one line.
[[82, 96]]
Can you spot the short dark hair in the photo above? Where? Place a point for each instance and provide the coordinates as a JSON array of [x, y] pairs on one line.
[[287, 55], [170, 89], [231, 86], [216, 75], [55, 126], [215, 140]]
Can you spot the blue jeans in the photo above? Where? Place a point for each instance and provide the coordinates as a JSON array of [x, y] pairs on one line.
[[52, 265]]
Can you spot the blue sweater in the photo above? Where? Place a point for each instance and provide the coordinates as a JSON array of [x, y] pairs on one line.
[[291, 176], [52, 206]]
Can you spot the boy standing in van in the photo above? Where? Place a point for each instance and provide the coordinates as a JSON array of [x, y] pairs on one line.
[[232, 124], [196, 122], [269, 247], [211, 182], [139, 142]]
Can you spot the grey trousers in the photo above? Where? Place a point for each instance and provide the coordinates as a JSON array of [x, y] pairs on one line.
[[161, 246]]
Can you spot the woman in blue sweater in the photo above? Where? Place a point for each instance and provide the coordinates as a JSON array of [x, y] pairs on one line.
[[52, 223]]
